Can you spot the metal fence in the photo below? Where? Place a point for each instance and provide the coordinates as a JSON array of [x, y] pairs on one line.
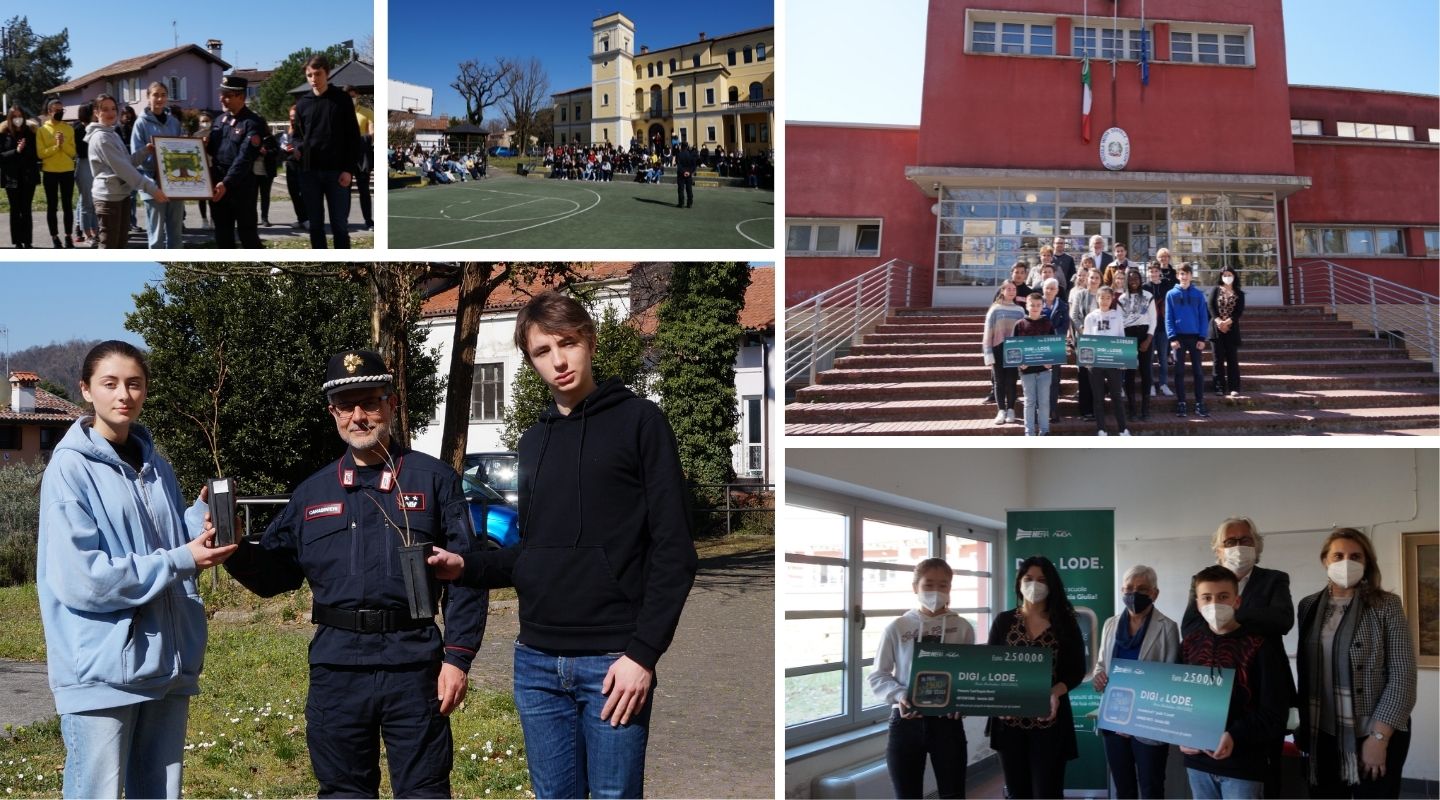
[[816, 328], [1404, 315], [764, 491]]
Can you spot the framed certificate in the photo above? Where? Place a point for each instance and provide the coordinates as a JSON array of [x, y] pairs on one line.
[[181, 168]]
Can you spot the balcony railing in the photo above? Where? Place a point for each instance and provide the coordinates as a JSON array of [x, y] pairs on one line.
[[762, 104], [1406, 316]]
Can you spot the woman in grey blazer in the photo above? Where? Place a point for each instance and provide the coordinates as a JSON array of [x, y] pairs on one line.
[[1139, 633], [1356, 662]]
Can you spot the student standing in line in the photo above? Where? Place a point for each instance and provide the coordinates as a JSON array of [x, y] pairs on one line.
[[164, 221], [1106, 320], [913, 735], [1000, 322], [1187, 320], [1159, 286], [1058, 313], [115, 174], [331, 152], [1227, 305], [1138, 306], [1033, 750], [1082, 302], [85, 222], [1036, 378], [56, 142], [1356, 662], [19, 174], [116, 575]]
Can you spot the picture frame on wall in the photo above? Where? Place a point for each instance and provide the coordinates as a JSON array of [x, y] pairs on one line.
[[1422, 595], [183, 171]]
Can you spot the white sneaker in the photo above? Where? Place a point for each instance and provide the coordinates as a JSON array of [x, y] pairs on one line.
[[1152, 391], [1125, 432], [1101, 433], [1009, 415], [1000, 418], [1164, 389], [1234, 393]]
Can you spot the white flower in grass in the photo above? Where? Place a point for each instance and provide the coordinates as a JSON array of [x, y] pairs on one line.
[[234, 720], [509, 751], [472, 756]]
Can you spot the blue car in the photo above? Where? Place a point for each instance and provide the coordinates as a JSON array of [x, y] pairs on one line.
[[496, 521]]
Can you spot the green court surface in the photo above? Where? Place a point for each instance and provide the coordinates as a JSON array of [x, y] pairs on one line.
[[508, 211]]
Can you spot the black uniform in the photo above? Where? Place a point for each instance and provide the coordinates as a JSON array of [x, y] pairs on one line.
[[371, 666], [685, 165], [233, 144]]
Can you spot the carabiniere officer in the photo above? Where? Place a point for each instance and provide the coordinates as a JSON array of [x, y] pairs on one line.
[[374, 671], [233, 144]]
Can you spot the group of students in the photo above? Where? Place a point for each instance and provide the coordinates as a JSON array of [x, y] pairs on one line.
[[603, 570], [1169, 318], [1355, 662], [109, 156]]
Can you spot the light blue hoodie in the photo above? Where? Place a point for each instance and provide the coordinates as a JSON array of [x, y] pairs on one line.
[[123, 618]]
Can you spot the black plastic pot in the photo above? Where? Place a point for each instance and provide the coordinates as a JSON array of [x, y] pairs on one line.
[[222, 510], [420, 582]]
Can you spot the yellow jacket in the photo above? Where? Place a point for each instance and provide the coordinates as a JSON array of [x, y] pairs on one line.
[[53, 157], [365, 118]]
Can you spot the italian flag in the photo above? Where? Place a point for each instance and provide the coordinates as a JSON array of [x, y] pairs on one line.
[[1085, 101]]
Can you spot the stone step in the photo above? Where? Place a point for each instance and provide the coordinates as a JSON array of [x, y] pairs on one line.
[[976, 408], [1418, 420], [900, 343], [1069, 385], [977, 327], [971, 355], [1308, 312], [978, 371]]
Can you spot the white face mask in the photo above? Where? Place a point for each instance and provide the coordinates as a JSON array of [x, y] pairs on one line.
[[1239, 560], [934, 601], [1345, 573], [1034, 591], [1218, 615], [1228, 279]]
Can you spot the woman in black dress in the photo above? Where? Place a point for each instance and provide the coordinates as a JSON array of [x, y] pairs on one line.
[[1033, 750]]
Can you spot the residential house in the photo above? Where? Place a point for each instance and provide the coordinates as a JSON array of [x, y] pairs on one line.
[[34, 421], [190, 72]]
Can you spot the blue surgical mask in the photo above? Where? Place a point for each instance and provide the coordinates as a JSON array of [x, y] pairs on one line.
[[1137, 602]]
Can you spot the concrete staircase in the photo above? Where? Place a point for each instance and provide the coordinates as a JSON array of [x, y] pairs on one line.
[[1303, 371]]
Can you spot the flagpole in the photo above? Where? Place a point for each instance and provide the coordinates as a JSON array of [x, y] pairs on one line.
[[1115, 48]]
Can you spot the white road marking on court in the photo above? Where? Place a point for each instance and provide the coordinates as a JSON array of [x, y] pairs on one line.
[[529, 227], [752, 219]]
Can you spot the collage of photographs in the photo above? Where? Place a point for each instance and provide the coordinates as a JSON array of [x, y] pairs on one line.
[[296, 523]]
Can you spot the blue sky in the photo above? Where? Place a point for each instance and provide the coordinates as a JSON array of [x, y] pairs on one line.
[[102, 33], [1381, 44], [426, 49], [90, 302]]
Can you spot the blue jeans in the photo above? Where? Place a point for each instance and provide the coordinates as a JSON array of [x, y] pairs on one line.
[[138, 748], [1037, 401], [1208, 786], [1160, 356], [571, 752], [321, 190], [164, 223], [84, 179]]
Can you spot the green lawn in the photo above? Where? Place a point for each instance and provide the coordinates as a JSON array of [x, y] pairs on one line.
[[246, 734], [506, 210]]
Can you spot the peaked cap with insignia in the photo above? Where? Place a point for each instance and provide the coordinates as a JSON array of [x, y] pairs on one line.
[[356, 369]]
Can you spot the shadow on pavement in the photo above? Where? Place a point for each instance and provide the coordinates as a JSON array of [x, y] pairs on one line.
[[737, 573]]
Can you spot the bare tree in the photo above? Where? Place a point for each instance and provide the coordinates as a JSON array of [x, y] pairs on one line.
[[483, 86], [529, 94]]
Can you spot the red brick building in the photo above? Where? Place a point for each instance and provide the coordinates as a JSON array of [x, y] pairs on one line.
[[1228, 164]]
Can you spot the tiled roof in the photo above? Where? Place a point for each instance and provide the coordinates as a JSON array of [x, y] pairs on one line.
[[571, 91], [24, 377], [759, 310], [135, 64], [48, 408], [432, 123], [507, 297]]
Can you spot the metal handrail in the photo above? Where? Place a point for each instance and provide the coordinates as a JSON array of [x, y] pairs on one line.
[[817, 327], [1400, 313]]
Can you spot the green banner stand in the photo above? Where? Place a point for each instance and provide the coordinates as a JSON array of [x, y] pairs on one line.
[[1081, 545]]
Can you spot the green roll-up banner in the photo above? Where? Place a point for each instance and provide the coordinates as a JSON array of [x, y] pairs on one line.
[[1081, 544]]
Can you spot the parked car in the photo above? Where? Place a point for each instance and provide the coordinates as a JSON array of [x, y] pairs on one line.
[[496, 522], [501, 152], [499, 470]]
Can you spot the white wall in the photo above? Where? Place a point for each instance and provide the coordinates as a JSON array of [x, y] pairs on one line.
[[1168, 503]]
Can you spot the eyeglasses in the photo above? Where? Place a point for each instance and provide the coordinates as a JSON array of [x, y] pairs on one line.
[[369, 405], [1245, 542]]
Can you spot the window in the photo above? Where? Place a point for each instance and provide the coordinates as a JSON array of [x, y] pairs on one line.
[[605, 100], [1012, 37], [730, 56], [753, 426], [672, 65], [1234, 49], [1326, 241], [833, 237], [49, 437], [487, 394], [847, 573], [1432, 243], [695, 61], [757, 91], [734, 94], [1015, 38], [578, 114], [759, 51], [682, 100], [1305, 127], [604, 43], [562, 113], [1375, 130], [1182, 46], [1084, 42], [1209, 47], [710, 133], [683, 132], [660, 68], [748, 54], [1435, 135], [10, 437], [709, 97], [982, 37], [649, 70]]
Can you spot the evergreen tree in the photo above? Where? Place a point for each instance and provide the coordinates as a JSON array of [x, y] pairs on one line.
[[31, 64], [275, 99], [698, 340]]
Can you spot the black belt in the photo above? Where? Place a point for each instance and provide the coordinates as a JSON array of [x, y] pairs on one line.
[[367, 620]]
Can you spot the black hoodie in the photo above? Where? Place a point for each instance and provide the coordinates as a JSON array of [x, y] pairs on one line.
[[605, 560]]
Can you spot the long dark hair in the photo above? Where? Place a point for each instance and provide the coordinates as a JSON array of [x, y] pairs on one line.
[[1056, 602], [113, 347]]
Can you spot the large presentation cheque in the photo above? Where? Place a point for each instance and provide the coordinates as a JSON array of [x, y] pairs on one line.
[[1174, 703], [980, 679]]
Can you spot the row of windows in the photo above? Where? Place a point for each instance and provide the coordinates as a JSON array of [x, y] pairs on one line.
[[1361, 130], [1186, 47], [833, 237], [657, 68], [1315, 241]]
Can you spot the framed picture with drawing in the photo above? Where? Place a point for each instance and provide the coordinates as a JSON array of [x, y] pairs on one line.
[[182, 172], [1422, 595]]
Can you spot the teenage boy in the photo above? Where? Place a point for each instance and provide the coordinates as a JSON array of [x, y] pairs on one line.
[[1119, 266], [1187, 321], [604, 565], [1260, 698], [331, 152], [1036, 379], [1159, 286]]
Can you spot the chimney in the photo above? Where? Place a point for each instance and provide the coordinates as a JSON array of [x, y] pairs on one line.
[[702, 36], [22, 397], [213, 45], [644, 49]]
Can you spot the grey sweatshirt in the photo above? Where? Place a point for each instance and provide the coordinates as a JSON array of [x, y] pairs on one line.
[[113, 168]]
